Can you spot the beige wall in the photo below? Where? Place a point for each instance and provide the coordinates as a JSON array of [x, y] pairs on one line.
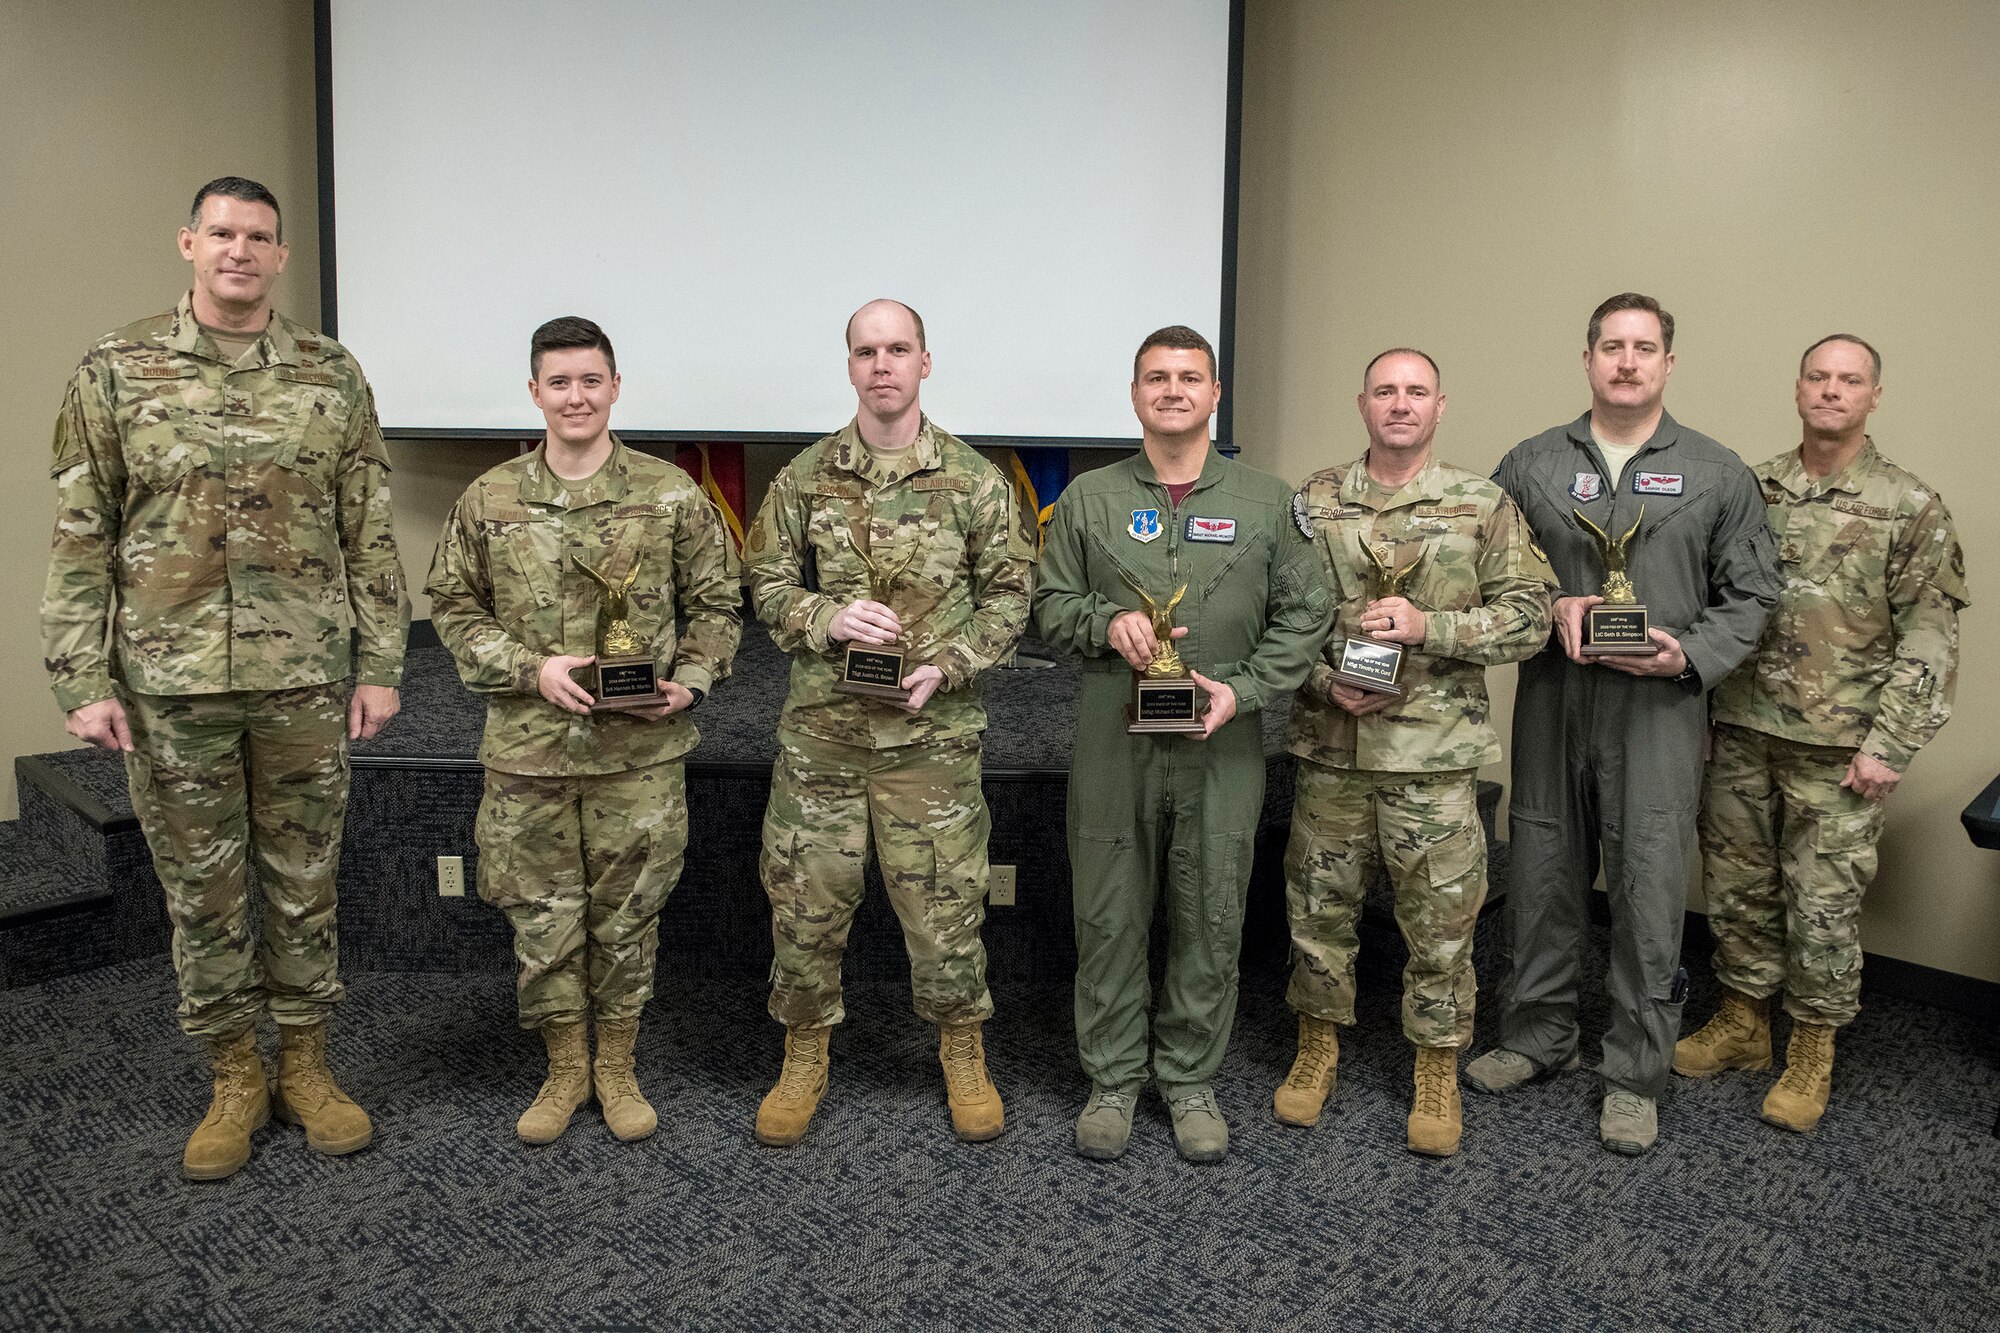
[[1466, 176], [1472, 178]]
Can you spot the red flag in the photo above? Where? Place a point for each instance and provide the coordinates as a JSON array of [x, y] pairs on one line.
[[718, 470]]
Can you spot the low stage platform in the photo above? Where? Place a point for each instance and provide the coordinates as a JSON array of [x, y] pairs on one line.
[[416, 792]]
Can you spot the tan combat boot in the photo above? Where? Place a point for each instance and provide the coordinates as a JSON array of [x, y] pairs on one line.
[[1738, 1037], [307, 1094], [788, 1107], [1436, 1121], [976, 1113], [566, 1087], [220, 1144], [626, 1109], [1799, 1098], [1302, 1096]]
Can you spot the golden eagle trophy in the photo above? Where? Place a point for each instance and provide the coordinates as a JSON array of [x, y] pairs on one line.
[[625, 674], [1165, 698], [1619, 626], [1370, 664], [876, 671]]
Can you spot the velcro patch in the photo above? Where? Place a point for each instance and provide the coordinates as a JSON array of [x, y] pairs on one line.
[[1587, 487], [1657, 483], [934, 482], [1865, 510], [1447, 511], [305, 376], [157, 370], [1221, 530]]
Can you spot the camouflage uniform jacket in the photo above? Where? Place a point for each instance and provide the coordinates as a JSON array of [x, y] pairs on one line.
[[1256, 608], [506, 596], [229, 525], [963, 598], [1862, 650], [1481, 583]]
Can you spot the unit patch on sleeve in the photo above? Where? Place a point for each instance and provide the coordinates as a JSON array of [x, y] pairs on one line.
[[1657, 483], [1299, 516], [1211, 529], [1145, 525], [1587, 487]]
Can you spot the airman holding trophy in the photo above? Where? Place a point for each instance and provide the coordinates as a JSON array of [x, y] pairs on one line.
[[583, 822]]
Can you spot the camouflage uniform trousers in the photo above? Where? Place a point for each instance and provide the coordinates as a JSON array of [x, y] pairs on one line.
[[1786, 854], [930, 823], [582, 867], [1345, 824], [218, 780]]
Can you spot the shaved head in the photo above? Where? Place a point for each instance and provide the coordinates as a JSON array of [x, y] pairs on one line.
[[916, 321]]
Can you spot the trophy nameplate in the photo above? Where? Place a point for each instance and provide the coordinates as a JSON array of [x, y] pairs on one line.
[[624, 675], [1165, 698], [1617, 626], [1373, 664], [876, 670]]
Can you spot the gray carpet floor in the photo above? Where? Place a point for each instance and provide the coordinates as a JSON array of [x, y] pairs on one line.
[[1883, 1219]]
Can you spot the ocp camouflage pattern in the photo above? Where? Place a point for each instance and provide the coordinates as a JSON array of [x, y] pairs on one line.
[[230, 523], [1862, 648], [1484, 589], [963, 600]]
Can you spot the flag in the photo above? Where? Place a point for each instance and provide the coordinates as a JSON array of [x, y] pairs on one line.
[[1039, 477], [718, 470]]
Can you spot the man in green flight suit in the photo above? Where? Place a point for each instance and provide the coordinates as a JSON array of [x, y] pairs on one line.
[[223, 524], [1175, 515], [583, 821], [1393, 777], [887, 532], [1813, 732]]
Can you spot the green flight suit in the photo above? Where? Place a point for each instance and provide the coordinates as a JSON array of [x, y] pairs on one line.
[[1256, 611]]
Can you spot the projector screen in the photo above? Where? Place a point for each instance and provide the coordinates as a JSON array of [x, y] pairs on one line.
[[721, 185]]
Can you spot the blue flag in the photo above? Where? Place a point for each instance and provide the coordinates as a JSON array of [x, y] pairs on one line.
[[1040, 475]]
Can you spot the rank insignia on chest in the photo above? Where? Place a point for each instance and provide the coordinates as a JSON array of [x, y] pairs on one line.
[[1587, 487], [1145, 525], [1657, 483], [1221, 530]]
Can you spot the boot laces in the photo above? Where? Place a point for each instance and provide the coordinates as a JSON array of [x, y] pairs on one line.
[[1316, 1050], [564, 1070], [1109, 1101], [1808, 1060], [961, 1062], [233, 1082], [800, 1074], [618, 1081], [1197, 1103], [1432, 1090]]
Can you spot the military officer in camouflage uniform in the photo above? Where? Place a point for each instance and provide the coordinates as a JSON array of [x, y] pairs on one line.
[[1394, 777], [1853, 676], [223, 564], [1608, 751], [1176, 515], [951, 558], [583, 823]]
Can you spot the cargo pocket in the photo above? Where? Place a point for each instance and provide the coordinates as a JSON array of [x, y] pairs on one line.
[[496, 864], [1453, 868], [1218, 892]]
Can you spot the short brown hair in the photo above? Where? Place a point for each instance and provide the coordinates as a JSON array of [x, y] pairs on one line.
[[1630, 301], [1436, 374], [564, 332], [916, 319], [1179, 337], [1873, 356], [236, 187]]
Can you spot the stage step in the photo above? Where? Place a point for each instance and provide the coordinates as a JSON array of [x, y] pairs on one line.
[[35, 883]]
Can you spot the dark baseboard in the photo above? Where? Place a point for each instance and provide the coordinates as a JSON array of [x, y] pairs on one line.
[[1879, 973]]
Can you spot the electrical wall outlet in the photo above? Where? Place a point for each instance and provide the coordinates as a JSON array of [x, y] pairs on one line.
[[1000, 886], [451, 877]]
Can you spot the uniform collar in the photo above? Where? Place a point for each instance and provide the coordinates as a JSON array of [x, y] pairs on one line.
[[541, 486], [850, 454], [1213, 465], [1789, 471], [1664, 434], [278, 344], [1428, 485]]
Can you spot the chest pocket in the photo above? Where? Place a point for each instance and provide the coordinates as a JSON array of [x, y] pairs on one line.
[[941, 558], [1854, 553], [309, 420], [1448, 580], [529, 551], [167, 435]]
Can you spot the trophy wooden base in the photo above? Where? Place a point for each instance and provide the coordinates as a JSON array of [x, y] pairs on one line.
[[1165, 706], [873, 673], [1367, 664], [616, 684], [1617, 631]]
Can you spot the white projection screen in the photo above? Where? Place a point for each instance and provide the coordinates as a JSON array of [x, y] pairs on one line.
[[720, 184]]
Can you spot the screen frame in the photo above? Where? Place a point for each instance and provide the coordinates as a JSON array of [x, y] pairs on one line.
[[1225, 335]]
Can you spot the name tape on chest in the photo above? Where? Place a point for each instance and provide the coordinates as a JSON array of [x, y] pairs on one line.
[[1448, 511], [1657, 483], [1222, 530]]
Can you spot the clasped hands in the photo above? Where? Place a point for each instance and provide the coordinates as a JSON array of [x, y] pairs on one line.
[[866, 621], [1131, 636]]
